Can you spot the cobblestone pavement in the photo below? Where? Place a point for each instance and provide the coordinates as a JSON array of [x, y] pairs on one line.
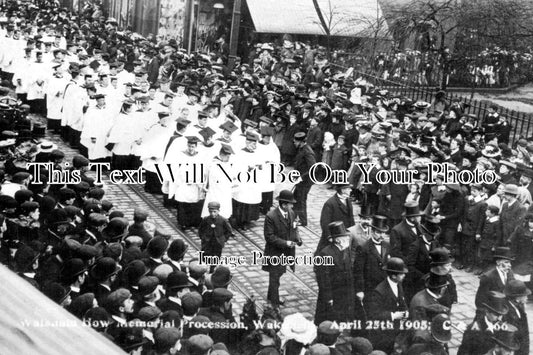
[[299, 289]]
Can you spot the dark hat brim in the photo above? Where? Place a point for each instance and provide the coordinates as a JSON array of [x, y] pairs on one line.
[[502, 311], [405, 270], [513, 346], [380, 229], [285, 200], [217, 285]]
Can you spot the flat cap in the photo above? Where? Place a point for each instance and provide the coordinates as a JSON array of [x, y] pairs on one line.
[[222, 295], [165, 338], [149, 313], [200, 343], [147, 285]]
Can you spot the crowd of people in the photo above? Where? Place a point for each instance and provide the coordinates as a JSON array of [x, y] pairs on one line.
[[147, 107], [491, 68]]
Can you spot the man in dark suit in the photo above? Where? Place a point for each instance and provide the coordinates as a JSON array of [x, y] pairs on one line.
[[406, 232], [418, 257], [304, 160], [517, 293], [336, 282], [471, 225], [337, 208], [387, 303], [281, 235], [371, 186], [513, 212], [495, 279], [430, 296], [371, 257], [477, 338]]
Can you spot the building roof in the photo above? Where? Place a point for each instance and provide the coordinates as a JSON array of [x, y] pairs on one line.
[[30, 323], [353, 18]]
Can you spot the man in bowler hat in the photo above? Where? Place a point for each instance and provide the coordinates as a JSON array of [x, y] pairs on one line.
[[387, 303], [517, 293], [281, 235], [495, 279]]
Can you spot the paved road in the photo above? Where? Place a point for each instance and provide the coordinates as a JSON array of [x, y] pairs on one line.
[[299, 290]]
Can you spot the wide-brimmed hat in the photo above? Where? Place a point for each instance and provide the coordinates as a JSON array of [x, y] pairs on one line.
[[516, 288], [506, 338], [440, 332], [396, 265], [503, 253], [496, 303], [511, 189], [46, 147], [412, 209], [436, 281], [491, 151], [297, 327], [379, 223], [337, 229], [286, 196]]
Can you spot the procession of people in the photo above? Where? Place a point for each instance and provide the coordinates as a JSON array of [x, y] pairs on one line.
[[209, 138]]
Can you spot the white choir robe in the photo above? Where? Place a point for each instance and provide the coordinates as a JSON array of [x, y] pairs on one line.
[[246, 191], [37, 73], [219, 187], [181, 189], [54, 96], [75, 98], [123, 134], [96, 124], [269, 154], [208, 153], [153, 146], [21, 72]]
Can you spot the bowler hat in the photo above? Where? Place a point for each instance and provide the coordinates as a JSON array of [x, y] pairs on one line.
[[56, 292], [104, 268], [436, 281], [337, 229], [134, 271], [73, 268], [496, 303], [503, 253], [177, 249], [379, 223], [396, 265], [412, 209], [506, 338], [440, 256], [286, 196], [221, 277], [157, 246], [516, 288], [440, 332], [178, 280]]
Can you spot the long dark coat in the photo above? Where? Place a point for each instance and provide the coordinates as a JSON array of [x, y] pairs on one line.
[[332, 211], [401, 238], [518, 318], [369, 266], [490, 281], [335, 283], [379, 305], [476, 339], [277, 232]]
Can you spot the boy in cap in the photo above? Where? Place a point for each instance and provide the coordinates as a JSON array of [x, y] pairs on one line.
[[214, 231]]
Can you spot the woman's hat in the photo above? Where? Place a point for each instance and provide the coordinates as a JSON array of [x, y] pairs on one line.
[[297, 327]]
